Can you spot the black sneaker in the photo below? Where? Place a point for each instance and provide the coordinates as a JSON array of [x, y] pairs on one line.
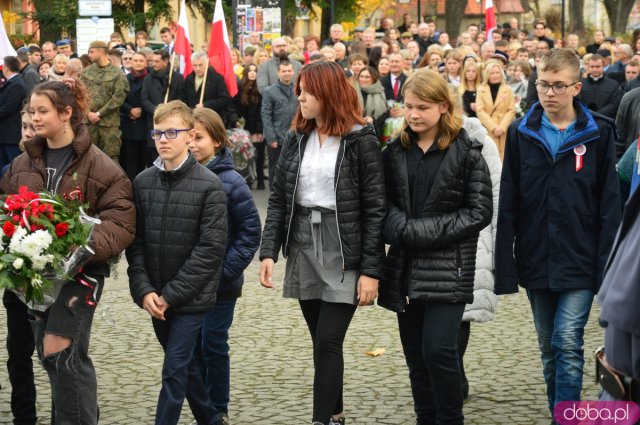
[[339, 421]]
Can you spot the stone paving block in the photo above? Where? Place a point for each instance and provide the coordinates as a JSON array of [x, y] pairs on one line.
[[272, 366]]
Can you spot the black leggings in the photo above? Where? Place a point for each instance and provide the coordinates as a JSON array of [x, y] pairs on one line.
[[328, 324]]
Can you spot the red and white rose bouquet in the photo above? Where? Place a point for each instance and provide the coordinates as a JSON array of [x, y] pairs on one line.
[[44, 243]]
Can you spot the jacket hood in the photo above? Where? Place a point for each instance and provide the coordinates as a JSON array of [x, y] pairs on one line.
[[586, 127], [222, 162], [474, 128]]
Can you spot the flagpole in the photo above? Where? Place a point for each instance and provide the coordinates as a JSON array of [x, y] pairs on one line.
[[204, 81], [173, 60]]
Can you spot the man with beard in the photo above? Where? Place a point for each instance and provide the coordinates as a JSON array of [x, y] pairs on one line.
[[154, 91], [268, 71]]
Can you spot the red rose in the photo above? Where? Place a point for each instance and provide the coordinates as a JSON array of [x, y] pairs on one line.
[[61, 229], [8, 228]]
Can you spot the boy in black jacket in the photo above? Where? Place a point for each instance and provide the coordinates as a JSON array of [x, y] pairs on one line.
[[558, 214], [174, 262]]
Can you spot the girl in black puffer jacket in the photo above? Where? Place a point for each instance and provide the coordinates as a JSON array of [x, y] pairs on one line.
[[439, 196], [326, 211]]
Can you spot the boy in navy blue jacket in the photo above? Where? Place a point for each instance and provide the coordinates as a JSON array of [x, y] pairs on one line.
[[558, 214]]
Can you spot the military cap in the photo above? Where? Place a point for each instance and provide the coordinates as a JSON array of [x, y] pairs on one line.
[[98, 45]]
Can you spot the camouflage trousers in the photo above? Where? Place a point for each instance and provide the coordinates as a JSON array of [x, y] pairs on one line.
[[107, 139]]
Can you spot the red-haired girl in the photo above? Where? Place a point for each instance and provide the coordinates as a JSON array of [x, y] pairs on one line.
[[326, 211]]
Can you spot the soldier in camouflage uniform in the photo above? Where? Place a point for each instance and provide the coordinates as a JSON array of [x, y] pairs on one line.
[[108, 87]]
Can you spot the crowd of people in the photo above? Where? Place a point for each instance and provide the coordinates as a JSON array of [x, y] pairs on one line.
[[405, 166]]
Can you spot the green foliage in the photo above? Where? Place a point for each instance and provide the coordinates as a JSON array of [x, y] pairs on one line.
[[56, 18]]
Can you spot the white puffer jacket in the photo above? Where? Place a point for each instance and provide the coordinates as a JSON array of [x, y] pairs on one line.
[[484, 299]]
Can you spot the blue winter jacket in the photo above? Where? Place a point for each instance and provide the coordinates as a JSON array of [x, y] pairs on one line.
[[244, 225], [556, 223]]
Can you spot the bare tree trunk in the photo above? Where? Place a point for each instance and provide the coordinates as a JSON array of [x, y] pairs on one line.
[[454, 12], [618, 12], [576, 12]]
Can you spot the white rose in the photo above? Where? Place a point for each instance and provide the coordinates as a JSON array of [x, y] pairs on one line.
[[18, 263]]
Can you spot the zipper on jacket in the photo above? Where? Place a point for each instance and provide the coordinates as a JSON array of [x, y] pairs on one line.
[[335, 191], [162, 227], [293, 202], [459, 261]]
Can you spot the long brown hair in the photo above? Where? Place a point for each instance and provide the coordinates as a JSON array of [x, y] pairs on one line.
[[249, 94], [430, 87], [340, 107]]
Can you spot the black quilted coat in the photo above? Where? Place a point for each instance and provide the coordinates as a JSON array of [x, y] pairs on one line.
[[432, 256], [181, 234], [360, 200]]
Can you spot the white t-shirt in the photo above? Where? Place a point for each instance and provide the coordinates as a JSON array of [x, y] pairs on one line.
[[316, 184]]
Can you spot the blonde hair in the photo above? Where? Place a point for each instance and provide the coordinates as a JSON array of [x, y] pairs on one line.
[[463, 78], [60, 58], [487, 70], [557, 60], [428, 86], [174, 108]]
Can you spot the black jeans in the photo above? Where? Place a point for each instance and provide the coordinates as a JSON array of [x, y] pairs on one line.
[[260, 162], [328, 324], [133, 157], [429, 333], [20, 348], [71, 373]]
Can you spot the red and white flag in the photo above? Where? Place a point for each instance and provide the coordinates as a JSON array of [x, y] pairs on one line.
[[182, 42], [219, 55], [6, 49], [489, 18]]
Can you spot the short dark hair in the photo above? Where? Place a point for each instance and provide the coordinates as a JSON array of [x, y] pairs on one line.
[[284, 62], [164, 55], [12, 63], [114, 52], [34, 49], [164, 29], [543, 23]]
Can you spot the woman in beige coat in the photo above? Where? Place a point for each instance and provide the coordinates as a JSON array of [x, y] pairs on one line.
[[495, 104]]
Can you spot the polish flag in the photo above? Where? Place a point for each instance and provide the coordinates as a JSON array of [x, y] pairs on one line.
[[489, 18], [6, 49], [182, 44], [219, 55]]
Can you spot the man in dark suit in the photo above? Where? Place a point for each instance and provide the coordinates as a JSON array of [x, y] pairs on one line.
[[600, 93], [393, 83], [216, 96], [12, 95]]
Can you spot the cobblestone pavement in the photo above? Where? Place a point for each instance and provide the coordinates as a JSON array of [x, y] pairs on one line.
[[272, 367]]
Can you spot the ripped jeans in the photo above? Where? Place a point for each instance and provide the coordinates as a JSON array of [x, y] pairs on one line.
[[71, 373]]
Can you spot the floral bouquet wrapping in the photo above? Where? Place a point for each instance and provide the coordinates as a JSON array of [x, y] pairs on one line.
[[243, 152], [45, 242]]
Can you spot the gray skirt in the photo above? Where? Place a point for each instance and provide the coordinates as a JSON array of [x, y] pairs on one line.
[[314, 266]]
